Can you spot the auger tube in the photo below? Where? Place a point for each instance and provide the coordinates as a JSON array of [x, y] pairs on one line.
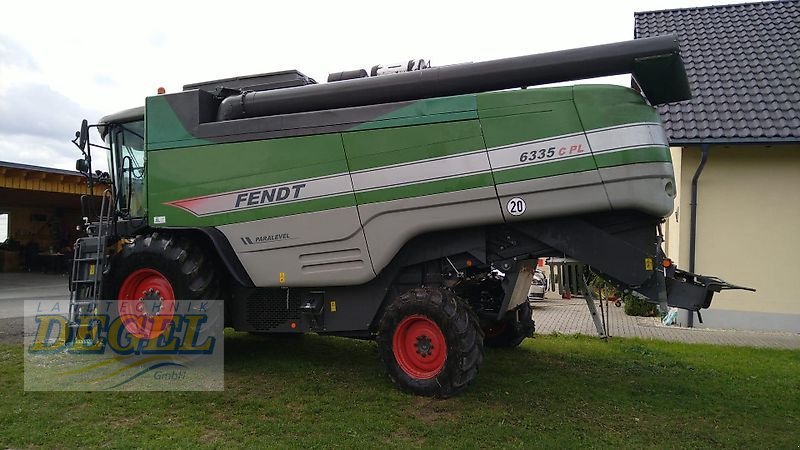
[[521, 71]]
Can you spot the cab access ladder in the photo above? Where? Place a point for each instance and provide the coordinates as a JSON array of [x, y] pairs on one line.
[[88, 265]]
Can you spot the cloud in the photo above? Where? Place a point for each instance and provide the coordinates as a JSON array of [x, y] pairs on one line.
[[60, 154], [104, 80], [39, 111], [158, 39], [37, 124], [15, 56]]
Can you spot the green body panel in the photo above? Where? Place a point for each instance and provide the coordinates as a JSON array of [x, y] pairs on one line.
[[507, 99], [387, 146], [602, 106], [529, 123], [446, 109], [163, 129], [182, 167]]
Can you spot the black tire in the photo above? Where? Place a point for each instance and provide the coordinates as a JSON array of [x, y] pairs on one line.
[[512, 330], [457, 325], [186, 266]]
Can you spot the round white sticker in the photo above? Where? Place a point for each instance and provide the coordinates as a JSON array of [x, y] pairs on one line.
[[516, 206]]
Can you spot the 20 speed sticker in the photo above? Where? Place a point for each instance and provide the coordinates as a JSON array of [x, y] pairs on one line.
[[516, 206]]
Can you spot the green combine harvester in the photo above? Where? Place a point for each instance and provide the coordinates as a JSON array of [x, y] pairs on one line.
[[405, 205]]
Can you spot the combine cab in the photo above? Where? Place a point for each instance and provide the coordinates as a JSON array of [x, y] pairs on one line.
[[386, 207]]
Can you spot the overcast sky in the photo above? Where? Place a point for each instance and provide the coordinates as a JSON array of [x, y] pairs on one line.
[[61, 61]]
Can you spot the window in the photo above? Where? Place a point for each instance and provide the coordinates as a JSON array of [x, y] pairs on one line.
[[3, 227], [127, 166]]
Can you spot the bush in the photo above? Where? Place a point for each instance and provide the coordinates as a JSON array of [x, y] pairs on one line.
[[637, 307], [603, 289]]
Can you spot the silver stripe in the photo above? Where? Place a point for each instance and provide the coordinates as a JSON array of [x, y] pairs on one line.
[[446, 177], [420, 172], [632, 136], [408, 163]]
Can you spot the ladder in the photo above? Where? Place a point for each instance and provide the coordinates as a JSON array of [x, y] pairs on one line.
[[86, 277], [569, 275]]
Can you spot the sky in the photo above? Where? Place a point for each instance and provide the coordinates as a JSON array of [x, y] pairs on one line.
[[61, 62]]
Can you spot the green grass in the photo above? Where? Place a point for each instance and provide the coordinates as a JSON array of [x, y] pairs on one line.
[[556, 391]]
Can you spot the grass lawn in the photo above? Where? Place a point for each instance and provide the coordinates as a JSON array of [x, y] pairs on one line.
[[554, 391]]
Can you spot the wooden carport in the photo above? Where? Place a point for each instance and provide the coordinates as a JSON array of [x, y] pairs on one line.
[[43, 210]]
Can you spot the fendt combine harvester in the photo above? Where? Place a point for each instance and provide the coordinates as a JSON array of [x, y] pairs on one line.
[[377, 206]]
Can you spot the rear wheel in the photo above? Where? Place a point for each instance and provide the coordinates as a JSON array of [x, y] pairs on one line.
[[430, 343], [512, 330], [149, 275]]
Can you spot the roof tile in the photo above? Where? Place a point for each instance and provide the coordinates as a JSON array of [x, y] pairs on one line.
[[741, 61]]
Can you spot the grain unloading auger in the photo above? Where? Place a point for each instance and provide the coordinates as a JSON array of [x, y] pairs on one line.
[[376, 206]]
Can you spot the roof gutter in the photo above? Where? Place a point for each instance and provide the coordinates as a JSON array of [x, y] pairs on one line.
[[693, 216]]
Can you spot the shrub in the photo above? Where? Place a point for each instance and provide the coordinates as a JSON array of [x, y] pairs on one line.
[[637, 307]]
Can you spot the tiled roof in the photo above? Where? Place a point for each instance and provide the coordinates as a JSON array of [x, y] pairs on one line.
[[742, 64]]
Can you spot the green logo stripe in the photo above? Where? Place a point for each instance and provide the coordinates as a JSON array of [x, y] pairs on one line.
[[533, 171], [428, 188], [632, 156]]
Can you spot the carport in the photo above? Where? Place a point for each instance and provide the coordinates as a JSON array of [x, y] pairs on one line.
[[39, 212]]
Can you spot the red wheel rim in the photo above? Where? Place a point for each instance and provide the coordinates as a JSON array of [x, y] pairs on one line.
[[419, 347], [146, 303]]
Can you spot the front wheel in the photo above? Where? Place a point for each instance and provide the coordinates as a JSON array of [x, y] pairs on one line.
[[430, 343], [151, 274]]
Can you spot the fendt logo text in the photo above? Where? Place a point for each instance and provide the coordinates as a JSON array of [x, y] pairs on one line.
[[271, 195]]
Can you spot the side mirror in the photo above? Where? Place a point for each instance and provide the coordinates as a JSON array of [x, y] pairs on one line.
[[83, 135], [82, 166]]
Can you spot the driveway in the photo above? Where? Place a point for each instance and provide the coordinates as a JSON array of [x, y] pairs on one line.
[[555, 315], [15, 288]]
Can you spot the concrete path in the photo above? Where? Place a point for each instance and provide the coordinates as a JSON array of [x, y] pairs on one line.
[[572, 317], [15, 288]]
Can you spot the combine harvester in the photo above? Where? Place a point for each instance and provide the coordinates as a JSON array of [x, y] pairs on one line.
[[376, 207]]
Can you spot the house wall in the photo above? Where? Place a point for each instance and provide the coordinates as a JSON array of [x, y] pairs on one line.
[[748, 232], [672, 229]]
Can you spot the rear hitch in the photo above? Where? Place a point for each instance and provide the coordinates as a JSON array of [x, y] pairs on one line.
[[694, 292]]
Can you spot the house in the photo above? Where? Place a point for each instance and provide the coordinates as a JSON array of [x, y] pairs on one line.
[[736, 152]]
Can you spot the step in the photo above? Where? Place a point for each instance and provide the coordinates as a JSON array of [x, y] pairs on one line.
[[82, 302]]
